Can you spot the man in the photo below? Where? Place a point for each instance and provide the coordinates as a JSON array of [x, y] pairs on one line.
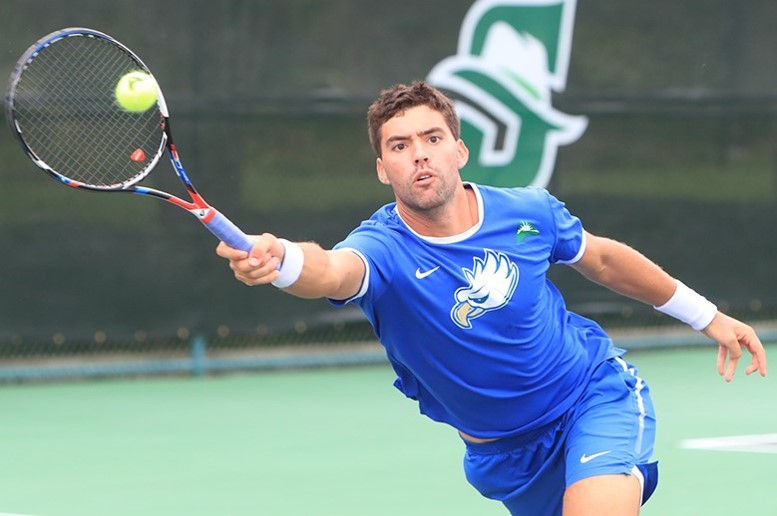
[[452, 277]]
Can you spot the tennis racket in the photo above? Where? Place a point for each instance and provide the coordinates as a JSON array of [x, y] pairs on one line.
[[61, 106]]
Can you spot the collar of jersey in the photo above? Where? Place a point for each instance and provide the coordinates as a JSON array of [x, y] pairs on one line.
[[453, 238]]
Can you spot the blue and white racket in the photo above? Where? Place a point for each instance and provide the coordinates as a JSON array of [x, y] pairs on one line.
[[62, 107]]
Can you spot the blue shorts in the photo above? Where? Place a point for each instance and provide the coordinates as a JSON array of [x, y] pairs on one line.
[[611, 430]]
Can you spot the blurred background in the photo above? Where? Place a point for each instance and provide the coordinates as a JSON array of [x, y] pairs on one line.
[[268, 102]]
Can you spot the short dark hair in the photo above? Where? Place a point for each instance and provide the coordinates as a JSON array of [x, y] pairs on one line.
[[401, 97]]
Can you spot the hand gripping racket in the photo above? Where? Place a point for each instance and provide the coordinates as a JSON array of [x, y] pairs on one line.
[[62, 107]]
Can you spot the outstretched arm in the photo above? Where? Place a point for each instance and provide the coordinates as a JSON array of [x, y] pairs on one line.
[[302, 269], [626, 271]]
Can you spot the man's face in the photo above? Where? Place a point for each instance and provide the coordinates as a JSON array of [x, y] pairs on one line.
[[420, 159]]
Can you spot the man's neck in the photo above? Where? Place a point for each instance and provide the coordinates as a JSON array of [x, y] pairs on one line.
[[452, 219]]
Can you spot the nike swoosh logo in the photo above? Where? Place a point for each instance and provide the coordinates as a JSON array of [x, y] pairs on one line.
[[588, 458], [422, 275]]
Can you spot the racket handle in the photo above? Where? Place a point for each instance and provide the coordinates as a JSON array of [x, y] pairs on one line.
[[228, 233]]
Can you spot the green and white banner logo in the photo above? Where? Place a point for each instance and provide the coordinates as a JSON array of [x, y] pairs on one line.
[[512, 56]]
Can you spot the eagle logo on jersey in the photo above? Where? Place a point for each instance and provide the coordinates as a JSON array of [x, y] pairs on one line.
[[492, 281]]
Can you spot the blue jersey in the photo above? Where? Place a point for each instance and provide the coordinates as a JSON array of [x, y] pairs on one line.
[[474, 330]]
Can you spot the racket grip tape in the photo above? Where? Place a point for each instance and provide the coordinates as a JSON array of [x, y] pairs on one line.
[[226, 231]]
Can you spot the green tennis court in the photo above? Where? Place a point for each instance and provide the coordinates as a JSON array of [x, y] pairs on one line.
[[336, 442]]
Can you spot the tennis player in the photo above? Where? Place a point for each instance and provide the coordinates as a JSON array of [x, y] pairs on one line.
[[452, 277]]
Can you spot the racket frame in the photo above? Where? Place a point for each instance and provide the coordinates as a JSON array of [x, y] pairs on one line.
[[216, 222]]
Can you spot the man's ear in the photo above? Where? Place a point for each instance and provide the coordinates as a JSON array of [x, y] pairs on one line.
[[382, 177], [463, 153]]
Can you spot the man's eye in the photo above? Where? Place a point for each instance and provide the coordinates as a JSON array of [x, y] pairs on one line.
[[399, 146], [434, 139]]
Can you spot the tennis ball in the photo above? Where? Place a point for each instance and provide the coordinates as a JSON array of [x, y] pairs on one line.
[[136, 92]]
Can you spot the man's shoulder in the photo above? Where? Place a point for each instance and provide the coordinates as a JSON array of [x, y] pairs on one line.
[[521, 194], [510, 190], [382, 227], [383, 219]]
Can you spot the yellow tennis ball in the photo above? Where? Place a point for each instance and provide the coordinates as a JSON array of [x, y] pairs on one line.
[[136, 92]]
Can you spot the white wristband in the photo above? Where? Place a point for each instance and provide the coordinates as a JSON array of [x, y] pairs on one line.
[[291, 266], [689, 307]]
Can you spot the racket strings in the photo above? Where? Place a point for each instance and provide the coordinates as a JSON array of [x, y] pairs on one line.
[[68, 115]]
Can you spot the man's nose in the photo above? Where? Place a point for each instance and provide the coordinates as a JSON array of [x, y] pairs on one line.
[[420, 153]]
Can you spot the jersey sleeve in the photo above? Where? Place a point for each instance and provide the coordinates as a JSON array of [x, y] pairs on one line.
[[570, 237], [375, 249]]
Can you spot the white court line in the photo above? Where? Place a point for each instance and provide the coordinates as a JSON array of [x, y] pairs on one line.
[[763, 443]]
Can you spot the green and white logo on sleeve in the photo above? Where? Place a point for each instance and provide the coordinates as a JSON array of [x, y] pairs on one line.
[[512, 56]]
